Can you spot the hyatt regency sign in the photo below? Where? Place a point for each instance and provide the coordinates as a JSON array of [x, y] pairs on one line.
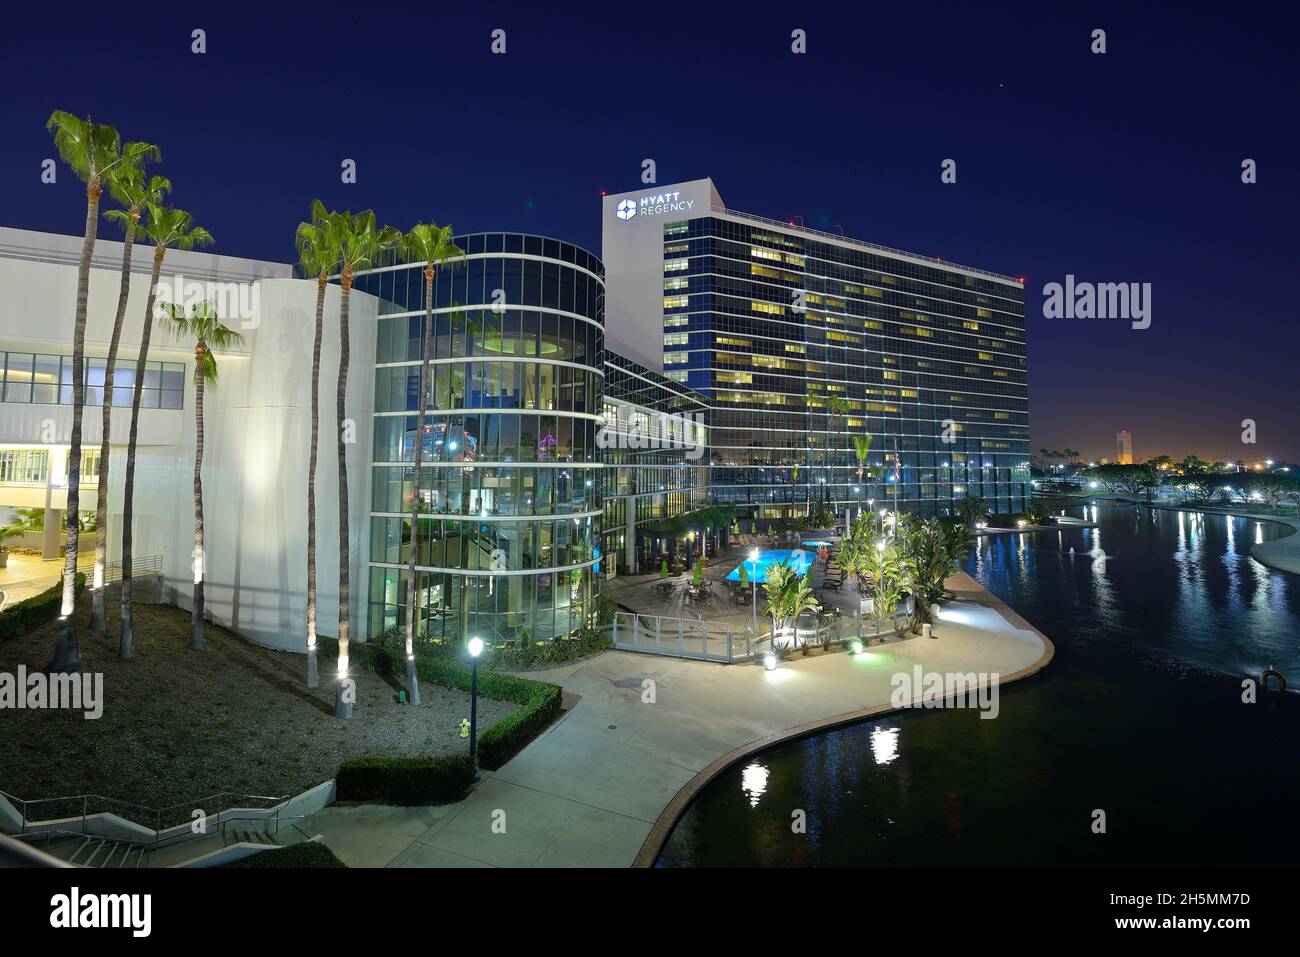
[[653, 204]]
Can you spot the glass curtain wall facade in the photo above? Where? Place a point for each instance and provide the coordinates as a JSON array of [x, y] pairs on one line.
[[801, 342], [655, 448], [507, 543]]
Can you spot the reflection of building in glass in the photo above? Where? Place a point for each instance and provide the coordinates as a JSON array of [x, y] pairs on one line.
[[654, 444], [510, 487]]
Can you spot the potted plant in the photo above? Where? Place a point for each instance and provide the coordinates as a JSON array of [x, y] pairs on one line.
[[8, 532]]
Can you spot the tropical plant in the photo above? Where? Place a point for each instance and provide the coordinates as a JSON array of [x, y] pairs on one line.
[[94, 152], [204, 326], [431, 245], [129, 187], [318, 255], [164, 226], [663, 570], [788, 595], [360, 240], [697, 579], [971, 509], [933, 548]]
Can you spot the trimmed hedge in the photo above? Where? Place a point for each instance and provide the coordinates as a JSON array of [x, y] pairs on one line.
[[539, 700], [35, 611], [405, 780], [306, 854]]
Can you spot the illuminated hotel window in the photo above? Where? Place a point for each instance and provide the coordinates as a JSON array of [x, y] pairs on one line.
[[770, 308], [675, 358], [677, 338], [680, 282], [676, 302], [985, 357], [676, 320], [760, 253], [676, 265]]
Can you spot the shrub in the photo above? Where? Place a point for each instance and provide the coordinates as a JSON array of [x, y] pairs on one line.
[[405, 780], [539, 700], [35, 611], [307, 854]]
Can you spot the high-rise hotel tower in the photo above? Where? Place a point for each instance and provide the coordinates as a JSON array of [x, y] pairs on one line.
[[801, 340]]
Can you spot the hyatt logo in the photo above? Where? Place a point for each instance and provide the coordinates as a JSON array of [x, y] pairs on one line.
[[626, 210]]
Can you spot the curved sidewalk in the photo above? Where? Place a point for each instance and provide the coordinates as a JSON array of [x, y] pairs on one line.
[[603, 785]]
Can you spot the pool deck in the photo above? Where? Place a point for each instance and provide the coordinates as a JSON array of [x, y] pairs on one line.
[[1280, 553], [603, 786]]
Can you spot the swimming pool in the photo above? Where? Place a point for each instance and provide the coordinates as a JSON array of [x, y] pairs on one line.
[[799, 558], [817, 546]]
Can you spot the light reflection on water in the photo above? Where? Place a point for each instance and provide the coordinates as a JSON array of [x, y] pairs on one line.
[[1157, 617]]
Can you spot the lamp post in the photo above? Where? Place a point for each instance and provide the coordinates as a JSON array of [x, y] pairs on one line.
[[753, 582], [475, 649]]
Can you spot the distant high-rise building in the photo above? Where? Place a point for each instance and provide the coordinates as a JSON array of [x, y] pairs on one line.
[[1125, 442]]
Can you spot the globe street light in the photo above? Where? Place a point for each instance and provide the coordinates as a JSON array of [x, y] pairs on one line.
[[475, 649]]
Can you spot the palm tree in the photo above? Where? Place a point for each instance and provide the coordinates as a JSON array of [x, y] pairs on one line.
[[130, 188], [360, 241], [94, 152], [861, 450], [204, 326], [164, 226], [319, 255], [431, 245], [838, 408]]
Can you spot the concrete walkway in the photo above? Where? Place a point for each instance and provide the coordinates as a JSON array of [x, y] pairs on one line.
[[1280, 553], [589, 791]]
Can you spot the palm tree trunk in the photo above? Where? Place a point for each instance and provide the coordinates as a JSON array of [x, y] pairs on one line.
[[343, 693], [67, 655], [313, 678], [99, 598], [412, 679], [126, 641], [196, 614]]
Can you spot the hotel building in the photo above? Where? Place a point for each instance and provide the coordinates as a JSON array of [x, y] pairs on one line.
[[799, 339], [712, 358]]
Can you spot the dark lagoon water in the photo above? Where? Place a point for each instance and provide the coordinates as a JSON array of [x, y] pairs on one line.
[[1157, 618]]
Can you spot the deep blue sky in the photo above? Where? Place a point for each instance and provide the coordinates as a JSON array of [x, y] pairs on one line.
[[1122, 167]]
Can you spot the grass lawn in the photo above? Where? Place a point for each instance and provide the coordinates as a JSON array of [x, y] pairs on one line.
[[180, 725]]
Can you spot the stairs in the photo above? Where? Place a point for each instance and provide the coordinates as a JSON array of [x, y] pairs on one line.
[[88, 850]]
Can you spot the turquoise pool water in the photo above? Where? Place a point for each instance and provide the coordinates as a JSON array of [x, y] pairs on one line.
[[818, 545], [768, 557]]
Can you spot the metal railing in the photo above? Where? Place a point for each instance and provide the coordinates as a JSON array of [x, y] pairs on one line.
[[158, 820], [680, 637], [148, 565], [719, 641]]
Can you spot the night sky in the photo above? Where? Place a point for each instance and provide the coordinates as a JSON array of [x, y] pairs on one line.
[[1122, 167]]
